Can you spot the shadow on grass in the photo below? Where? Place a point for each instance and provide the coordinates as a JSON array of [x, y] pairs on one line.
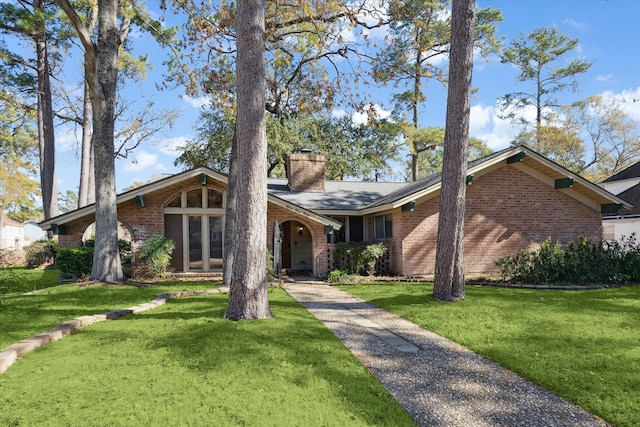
[[291, 353]]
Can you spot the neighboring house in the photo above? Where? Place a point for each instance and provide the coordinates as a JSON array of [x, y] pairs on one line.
[[33, 233], [11, 234], [515, 200], [626, 185]]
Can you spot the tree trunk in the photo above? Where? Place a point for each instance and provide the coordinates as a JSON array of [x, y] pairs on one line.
[[106, 260], [86, 188], [230, 219], [248, 297], [46, 136], [449, 274]]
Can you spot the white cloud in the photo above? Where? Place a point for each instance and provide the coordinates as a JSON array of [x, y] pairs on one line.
[[198, 102], [171, 146], [604, 78], [575, 24], [67, 141], [628, 99], [144, 161], [497, 133], [480, 117], [361, 117]]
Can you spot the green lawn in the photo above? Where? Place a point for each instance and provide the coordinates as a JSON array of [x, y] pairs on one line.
[[17, 280], [24, 316], [183, 364], [583, 345]]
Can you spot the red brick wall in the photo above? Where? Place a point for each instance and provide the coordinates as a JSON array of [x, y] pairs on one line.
[[506, 210], [306, 172], [141, 222]]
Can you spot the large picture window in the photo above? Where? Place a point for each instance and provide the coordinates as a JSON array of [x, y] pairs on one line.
[[383, 226], [194, 219]]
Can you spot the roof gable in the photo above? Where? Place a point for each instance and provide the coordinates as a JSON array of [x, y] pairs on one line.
[[204, 173], [520, 157]]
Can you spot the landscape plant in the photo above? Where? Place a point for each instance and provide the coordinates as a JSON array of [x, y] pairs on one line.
[[579, 262], [40, 252], [156, 252], [357, 258], [74, 263]]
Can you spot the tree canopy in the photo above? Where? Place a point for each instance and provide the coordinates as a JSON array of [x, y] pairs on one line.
[[540, 58]]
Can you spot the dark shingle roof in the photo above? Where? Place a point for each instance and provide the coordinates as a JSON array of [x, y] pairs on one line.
[[338, 195], [632, 171], [632, 196]]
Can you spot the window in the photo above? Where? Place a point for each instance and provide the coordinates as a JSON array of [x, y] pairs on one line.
[[383, 226], [338, 235], [194, 198], [176, 202]]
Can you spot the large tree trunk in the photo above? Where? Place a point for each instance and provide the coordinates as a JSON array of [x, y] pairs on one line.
[[46, 136], [230, 219], [248, 290], [449, 274], [106, 260], [86, 190]]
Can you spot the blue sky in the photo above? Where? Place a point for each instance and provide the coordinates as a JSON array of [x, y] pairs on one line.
[[609, 33]]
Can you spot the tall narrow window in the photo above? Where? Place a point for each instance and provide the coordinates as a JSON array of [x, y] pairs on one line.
[[383, 226]]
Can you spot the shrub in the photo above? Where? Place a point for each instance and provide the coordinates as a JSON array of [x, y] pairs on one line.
[[580, 262], [75, 263], [156, 254], [358, 258], [10, 258], [40, 252], [339, 276], [124, 248]]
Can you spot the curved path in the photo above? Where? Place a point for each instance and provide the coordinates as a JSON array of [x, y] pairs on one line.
[[438, 382]]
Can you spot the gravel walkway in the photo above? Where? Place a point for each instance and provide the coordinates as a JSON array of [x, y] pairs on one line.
[[437, 381]]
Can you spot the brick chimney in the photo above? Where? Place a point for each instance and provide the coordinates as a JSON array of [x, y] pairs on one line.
[[306, 171]]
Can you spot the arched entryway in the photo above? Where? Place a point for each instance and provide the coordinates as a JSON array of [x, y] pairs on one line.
[[296, 247]]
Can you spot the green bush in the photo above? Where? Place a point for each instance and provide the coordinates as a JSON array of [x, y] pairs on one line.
[[40, 252], [339, 276], [580, 262], [75, 263], [358, 258], [124, 249], [156, 254]]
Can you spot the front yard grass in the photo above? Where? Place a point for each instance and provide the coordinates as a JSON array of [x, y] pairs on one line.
[[183, 364], [17, 280], [582, 345]]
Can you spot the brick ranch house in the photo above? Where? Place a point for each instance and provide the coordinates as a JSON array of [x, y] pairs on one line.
[[515, 199]]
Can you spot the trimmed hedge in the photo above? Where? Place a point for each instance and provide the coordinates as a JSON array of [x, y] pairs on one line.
[[75, 262]]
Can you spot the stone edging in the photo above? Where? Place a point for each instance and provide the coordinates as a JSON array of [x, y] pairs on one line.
[[10, 355]]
